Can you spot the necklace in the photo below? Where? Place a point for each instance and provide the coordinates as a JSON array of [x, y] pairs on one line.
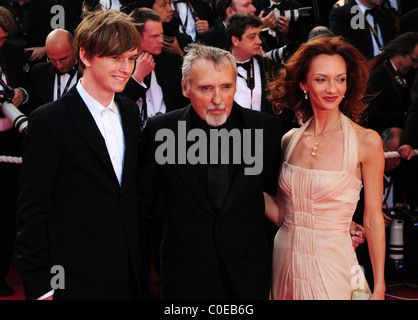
[[318, 140]]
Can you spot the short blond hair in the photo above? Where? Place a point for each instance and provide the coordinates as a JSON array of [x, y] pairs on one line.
[[105, 33]]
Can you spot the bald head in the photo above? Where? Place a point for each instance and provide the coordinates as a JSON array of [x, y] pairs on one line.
[[59, 48]]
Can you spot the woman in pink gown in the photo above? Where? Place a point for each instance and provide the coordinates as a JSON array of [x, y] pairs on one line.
[[325, 164]]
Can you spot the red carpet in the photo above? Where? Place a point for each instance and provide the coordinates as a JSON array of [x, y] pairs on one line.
[[14, 281], [403, 289]]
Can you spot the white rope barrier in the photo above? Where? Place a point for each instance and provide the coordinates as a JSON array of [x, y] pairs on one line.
[[395, 154], [10, 159]]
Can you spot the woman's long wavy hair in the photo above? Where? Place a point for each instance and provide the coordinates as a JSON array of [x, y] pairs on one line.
[[285, 91]]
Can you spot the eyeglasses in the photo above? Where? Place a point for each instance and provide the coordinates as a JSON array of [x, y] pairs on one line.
[[65, 60]]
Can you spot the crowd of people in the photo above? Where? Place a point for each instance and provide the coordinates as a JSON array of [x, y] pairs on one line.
[[331, 89]]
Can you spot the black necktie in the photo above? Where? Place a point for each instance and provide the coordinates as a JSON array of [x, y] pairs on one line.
[[217, 181], [71, 72], [249, 67], [371, 11]]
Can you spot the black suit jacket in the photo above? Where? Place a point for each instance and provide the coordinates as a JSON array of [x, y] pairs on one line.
[[215, 37], [168, 72], [340, 23], [42, 77], [196, 239], [72, 211], [388, 108]]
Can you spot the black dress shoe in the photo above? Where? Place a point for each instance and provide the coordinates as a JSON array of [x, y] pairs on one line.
[[5, 289]]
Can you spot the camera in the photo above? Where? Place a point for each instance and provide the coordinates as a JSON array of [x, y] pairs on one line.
[[295, 14], [282, 54], [410, 217], [19, 120], [402, 218], [170, 30]]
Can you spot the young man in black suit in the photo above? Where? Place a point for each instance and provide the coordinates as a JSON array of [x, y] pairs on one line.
[[77, 206], [368, 33], [214, 246], [51, 80], [156, 82]]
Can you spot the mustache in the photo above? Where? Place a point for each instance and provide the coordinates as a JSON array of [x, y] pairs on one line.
[[213, 107]]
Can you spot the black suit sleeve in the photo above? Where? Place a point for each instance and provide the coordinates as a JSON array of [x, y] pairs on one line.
[[41, 158], [133, 90]]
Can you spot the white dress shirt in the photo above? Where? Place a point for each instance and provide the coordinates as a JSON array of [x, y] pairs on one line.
[[110, 4], [154, 97], [184, 11], [243, 96], [109, 123], [64, 80]]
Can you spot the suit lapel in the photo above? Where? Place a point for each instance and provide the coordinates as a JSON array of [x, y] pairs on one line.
[[186, 171], [87, 129], [130, 134], [241, 180]]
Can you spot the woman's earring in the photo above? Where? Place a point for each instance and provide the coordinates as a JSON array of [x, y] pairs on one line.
[[306, 94]]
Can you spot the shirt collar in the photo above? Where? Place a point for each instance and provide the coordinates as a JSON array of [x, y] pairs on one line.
[[93, 105], [273, 3], [363, 8]]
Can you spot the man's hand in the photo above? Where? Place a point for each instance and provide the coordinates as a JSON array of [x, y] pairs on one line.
[[282, 26], [19, 97], [406, 152], [144, 65], [269, 21], [201, 25], [173, 47], [358, 235], [38, 53]]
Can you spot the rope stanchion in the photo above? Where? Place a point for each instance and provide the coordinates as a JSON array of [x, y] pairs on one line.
[[9, 159], [395, 154]]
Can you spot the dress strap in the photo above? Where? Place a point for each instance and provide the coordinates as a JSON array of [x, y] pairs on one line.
[[350, 144], [295, 139]]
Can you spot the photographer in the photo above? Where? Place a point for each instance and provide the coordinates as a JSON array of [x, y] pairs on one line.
[[12, 74], [288, 28]]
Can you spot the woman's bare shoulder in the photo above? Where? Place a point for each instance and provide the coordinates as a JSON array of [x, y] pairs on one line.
[[288, 136], [370, 142]]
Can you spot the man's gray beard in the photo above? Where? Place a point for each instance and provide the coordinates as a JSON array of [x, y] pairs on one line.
[[216, 120]]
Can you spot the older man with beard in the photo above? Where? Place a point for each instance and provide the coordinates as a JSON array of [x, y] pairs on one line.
[[214, 244]]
